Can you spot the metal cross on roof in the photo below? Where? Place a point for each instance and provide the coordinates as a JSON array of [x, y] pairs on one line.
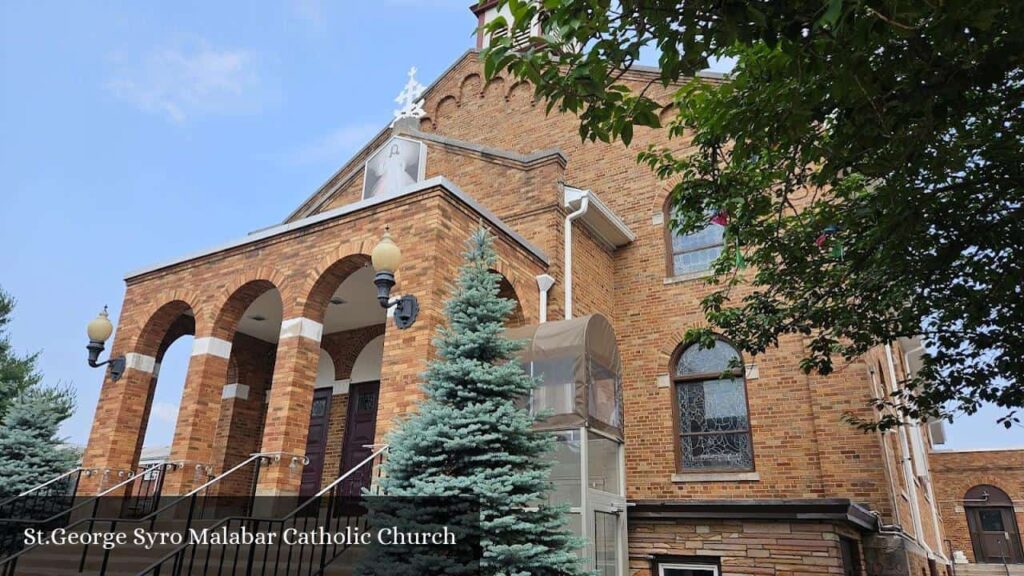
[[410, 99]]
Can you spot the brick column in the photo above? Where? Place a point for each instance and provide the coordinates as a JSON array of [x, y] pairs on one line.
[[119, 425], [195, 432], [291, 393]]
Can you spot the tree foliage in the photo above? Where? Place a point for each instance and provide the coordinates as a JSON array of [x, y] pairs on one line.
[[30, 417], [888, 130], [469, 437]]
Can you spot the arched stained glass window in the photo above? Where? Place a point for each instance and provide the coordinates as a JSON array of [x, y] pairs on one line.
[[712, 419]]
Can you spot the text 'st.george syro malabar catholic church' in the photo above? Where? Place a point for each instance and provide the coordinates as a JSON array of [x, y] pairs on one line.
[[671, 465]]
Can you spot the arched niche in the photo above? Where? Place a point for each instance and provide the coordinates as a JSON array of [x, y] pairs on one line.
[[367, 365]]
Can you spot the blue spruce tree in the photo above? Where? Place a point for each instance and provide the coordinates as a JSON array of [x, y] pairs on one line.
[[30, 417], [470, 438]]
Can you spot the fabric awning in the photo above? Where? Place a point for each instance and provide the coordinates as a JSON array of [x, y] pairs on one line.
[[579, 371]]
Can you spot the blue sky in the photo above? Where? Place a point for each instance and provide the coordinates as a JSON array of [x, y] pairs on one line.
[[136, 132]]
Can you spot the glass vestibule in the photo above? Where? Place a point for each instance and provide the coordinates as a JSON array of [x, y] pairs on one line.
[[579, 399]]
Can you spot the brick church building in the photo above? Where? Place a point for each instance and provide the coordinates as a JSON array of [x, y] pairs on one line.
[[678, 471]]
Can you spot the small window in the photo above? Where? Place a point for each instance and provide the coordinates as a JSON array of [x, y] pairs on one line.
[[712, 422], [689, 253]]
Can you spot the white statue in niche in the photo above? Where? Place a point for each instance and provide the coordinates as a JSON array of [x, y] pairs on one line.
[[392, 168]]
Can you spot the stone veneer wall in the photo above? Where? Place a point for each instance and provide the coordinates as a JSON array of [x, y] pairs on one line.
[[742, 547]]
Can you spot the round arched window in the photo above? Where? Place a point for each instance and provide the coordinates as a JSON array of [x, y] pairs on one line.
[[712, 420]]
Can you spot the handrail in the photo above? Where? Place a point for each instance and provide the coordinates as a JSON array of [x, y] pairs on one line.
[[337, 481], [44, 484], [131, 478], [210, 482], [154, 567], [151, 516]]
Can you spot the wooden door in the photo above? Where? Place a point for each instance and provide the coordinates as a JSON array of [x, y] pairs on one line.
[[316, 441], [360, 430], [994, 535]]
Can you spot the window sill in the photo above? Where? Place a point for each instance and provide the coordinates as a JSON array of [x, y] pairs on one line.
[[689, 276], [717, 477]]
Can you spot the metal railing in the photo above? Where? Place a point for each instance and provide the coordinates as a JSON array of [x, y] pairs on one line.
[[46, 499], [21, 517], [127, 514], [333, 508]]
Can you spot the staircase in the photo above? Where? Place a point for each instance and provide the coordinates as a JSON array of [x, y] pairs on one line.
[[141, 508], [989, 569], [329, 510]]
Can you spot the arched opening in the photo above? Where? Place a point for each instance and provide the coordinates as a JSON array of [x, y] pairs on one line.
[[995, 536], [506, 290], [344, 405], [168, 338], [250, 320]]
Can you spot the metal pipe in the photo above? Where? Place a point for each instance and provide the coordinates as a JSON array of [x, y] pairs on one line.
[[567, 266], [544, 283]]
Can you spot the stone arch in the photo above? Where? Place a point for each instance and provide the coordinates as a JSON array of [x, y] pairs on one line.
[[327, 279], [470, 88], [445, 108]]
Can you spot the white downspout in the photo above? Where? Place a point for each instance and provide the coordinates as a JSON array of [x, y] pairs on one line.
[[584, 205], [544, 283], [933, 505], [908, 470]]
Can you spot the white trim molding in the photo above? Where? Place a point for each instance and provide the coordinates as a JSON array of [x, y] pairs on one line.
[[303, 327], [139, 362], [212, 346], [717, 477]]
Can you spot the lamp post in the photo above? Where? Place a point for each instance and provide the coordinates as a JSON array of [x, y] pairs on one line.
[[99, 330], [386, 258]]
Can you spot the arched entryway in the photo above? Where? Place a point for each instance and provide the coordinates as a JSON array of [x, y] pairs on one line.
[[995, 536], [347, 374]]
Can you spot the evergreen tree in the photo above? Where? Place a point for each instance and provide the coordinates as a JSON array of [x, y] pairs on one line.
[[17, 374], [470, 439], [30, 451], [30, 417]]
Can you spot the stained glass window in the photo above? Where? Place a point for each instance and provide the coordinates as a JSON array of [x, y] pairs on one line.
[[695, 252], [711, 406]]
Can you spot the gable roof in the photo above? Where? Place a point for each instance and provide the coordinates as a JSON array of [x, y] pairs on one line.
[[353, 166]]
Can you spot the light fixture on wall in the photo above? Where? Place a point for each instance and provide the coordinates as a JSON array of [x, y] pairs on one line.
[[99, 330], [386, 258]]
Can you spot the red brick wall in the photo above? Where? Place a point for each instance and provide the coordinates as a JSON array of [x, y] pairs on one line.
[[305, 265], [240, 425], [957, 472]]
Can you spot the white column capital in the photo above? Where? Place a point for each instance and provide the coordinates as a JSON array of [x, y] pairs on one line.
[[236, 390], [302, 327], [212, 346], [139, 362]]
